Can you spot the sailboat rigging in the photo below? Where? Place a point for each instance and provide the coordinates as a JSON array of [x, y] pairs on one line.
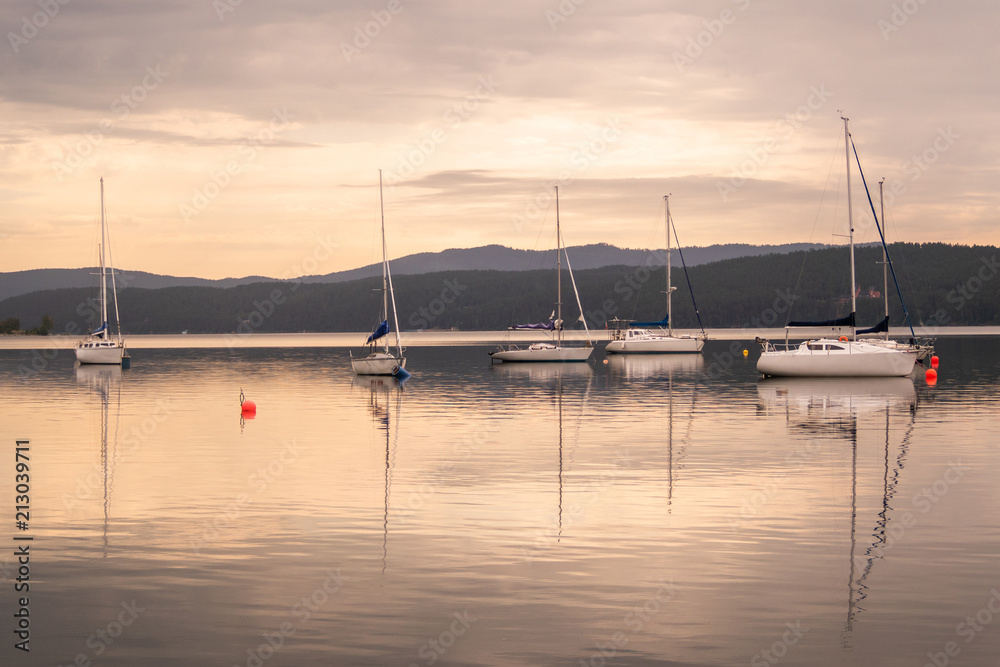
[[99, 347], [844, 356], [383, 362], [639, 337], [556, 351]]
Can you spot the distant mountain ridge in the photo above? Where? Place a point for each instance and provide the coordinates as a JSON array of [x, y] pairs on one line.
[[490, 257]]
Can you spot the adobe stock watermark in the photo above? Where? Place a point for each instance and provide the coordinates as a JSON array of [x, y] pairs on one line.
[[899, 16], [917, 166], [123, 106], [365, 33], [783, 130], [460, 451], [425, 316], [779, 649], [635, 620], [30, 26], [301, 612], [222, 178], [970, 628], [583, 156], [416, 156], [752, 505], [433, 649], [722, 362], [106, 636], [223, 7], [923, 502], [576, 511], [627, 287], [704, 39], [967, 292], [263, 310], [562, 12], [257, 482], [91, 485]]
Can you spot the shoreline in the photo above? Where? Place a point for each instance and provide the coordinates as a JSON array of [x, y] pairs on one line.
[[432, 338]]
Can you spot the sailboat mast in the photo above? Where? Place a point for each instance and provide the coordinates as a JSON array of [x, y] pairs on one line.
[[558, 273], [850, 213], [104, 281], [666, 227], [885, 256], [385, 265]]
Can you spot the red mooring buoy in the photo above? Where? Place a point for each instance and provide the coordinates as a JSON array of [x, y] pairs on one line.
[[935, 361], [247, 407], [931, 376]]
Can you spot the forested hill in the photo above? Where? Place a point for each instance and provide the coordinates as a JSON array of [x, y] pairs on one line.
[[941, 284], [496, 257]]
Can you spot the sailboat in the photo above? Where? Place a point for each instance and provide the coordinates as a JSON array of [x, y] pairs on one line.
[[636, 339], [550, 351], [383, 362], [99, 347], [836, 357]]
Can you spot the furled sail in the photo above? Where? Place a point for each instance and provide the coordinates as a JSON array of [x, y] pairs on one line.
[[662, 323], [549, 326], [380, 331], [881, 327], [847, 321], [101, 329]]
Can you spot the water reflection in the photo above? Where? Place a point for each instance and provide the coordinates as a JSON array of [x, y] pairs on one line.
[[385, 398], [641, 367], [837, 406], [541, 371], [106, 382]]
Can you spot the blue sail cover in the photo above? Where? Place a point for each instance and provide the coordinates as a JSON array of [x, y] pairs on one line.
[[549, 326], [382, 330], [100, 329], [881, 327], [662, 323], [847, 321]]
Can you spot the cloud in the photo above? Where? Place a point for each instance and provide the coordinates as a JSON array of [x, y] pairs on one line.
[[370, 88]]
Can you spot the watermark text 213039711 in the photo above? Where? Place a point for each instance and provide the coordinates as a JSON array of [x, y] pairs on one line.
[[22, 515]]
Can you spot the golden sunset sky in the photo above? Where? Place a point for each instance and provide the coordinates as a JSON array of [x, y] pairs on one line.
[[242, 137]]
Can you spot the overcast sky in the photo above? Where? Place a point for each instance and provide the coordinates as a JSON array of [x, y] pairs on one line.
[[242, 137]]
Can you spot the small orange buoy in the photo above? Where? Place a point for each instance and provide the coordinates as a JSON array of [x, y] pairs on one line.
[[746, 353], [605, 361], [934, 361], [931, 376]]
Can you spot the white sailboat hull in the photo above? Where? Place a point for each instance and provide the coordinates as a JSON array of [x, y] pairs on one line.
[[544, 352], [656, 344], [378, 363], [838, 359], [100, 352]]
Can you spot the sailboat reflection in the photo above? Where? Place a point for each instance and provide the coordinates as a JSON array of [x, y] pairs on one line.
[[818, 405], [543, 370], [383, 391], [635, 367], [106, 381]]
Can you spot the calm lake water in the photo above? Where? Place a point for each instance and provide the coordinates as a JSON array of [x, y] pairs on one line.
[[645, 511]]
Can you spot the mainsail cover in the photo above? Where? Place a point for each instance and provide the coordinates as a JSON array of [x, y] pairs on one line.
[[101, 329], [549, 326], [662, 323], [380, 331], [881, 327], [842, 322]]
